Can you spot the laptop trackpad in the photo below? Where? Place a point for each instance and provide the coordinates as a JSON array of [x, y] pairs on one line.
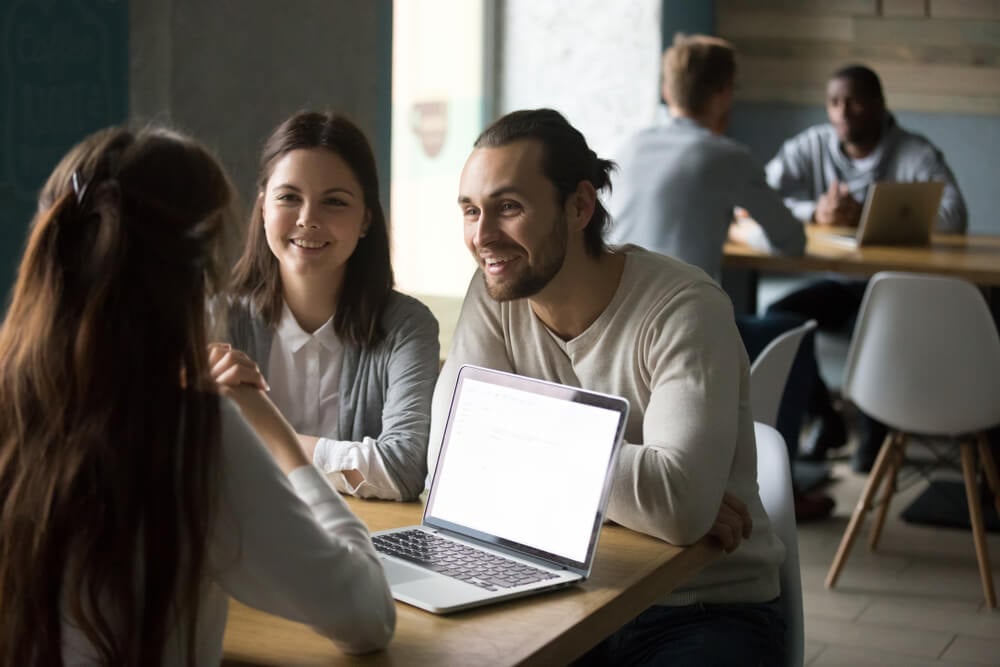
[[400, 573]]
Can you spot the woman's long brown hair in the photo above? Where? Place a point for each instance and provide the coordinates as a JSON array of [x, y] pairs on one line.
[[109, 424]]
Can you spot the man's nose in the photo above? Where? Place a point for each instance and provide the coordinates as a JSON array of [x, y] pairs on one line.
[[487, 230]]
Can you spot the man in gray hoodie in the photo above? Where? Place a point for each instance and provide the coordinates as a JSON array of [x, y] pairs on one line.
[[824, 174]]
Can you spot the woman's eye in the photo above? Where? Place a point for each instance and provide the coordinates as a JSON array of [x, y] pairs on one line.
[[333, 201], [287, 197]]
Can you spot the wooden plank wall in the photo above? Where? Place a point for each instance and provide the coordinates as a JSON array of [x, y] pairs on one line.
[[932, 55]]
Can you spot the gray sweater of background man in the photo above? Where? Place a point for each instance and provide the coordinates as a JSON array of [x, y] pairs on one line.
[[807, 163], [676, 189]]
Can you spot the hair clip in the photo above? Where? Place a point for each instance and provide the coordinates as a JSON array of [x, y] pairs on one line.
[[79, 190]]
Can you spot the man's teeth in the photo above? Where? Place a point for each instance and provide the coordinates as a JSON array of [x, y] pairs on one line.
[[303, 243], [493, 261]]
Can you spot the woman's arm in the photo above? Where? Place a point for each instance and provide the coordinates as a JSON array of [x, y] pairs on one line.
[[289, 545], [392, 464]]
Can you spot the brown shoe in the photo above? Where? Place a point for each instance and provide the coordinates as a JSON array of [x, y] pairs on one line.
[[813, 506]]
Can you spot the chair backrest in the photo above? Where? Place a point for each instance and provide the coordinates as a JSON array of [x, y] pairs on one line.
[[769, 373], [774, 477], [925, 356]]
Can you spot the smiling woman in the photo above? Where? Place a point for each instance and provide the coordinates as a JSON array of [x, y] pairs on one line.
[[350, 362], [314, 215]]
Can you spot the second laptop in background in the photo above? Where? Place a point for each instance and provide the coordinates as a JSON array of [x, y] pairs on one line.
[[896, 214]]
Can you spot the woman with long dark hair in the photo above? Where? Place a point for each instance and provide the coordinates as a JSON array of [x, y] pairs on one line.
[[133, 498], [350, 362]]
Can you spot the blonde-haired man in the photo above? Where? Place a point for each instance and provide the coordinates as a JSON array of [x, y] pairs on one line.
[[679, 184]]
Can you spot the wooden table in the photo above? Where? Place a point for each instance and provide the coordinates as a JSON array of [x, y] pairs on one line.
[[975, 258], [630, 573]]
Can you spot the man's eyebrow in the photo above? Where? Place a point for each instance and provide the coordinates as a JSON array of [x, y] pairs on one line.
[[499, 192]]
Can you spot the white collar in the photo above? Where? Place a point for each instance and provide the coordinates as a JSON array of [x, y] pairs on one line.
[[295, 337]]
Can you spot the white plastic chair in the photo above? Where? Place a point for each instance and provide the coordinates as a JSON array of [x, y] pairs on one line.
[[774, 478], [769, 373], [925, 359]]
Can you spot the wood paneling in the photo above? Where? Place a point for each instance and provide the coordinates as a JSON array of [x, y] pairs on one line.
[[932, 55], [777, 25], [904, 8], [844, 52], [828, 7], [973, 9], [944, 32], [901, 77]]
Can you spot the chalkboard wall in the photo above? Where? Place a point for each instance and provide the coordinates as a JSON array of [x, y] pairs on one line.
[[63, 74]]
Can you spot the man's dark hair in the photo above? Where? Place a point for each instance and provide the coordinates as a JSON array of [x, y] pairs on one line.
[[566, 160], [865, 80]]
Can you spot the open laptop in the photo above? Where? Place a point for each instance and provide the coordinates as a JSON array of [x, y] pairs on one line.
[[518, 496], [896, 214]]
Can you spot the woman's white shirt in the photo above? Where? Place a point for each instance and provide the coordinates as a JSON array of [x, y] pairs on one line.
[[304, 374]]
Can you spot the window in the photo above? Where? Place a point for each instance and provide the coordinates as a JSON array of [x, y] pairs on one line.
[[439, 106]]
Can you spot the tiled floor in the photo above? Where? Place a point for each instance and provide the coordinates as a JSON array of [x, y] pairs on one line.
[[916, 601]]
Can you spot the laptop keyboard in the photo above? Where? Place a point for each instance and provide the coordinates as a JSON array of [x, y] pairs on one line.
[[460, 561]]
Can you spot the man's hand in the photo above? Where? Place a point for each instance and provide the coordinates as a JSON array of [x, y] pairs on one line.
[[747, 231], [837, 207], [733, 523]]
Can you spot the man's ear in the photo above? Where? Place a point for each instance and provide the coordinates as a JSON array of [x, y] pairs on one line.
[[580, 205]]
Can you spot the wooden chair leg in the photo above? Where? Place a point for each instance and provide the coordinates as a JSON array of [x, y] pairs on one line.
[[976, 519], [864, 503], [990, 468], [898, 446]]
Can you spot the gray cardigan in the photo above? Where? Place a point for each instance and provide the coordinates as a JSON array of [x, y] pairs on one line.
[[385, 391]]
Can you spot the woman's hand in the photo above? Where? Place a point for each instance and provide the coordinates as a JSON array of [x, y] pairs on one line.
[[231, 367]]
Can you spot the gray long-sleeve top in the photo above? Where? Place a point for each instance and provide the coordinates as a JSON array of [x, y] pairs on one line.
[[385, 391], [807, 163], [676, 189]]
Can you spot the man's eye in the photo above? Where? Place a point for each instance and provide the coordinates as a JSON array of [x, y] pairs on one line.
[[470, 212], [509, 207]]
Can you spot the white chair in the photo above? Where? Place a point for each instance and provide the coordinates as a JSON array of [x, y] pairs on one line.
[[769, 373], [925, 359], [774, 478]]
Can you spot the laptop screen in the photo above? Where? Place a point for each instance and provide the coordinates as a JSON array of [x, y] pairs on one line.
[[525, 463]]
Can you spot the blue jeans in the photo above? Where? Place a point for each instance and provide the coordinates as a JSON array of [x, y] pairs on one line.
[[697, 635]]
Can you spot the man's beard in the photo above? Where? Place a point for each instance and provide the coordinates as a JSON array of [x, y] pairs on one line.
[[536, 276]]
